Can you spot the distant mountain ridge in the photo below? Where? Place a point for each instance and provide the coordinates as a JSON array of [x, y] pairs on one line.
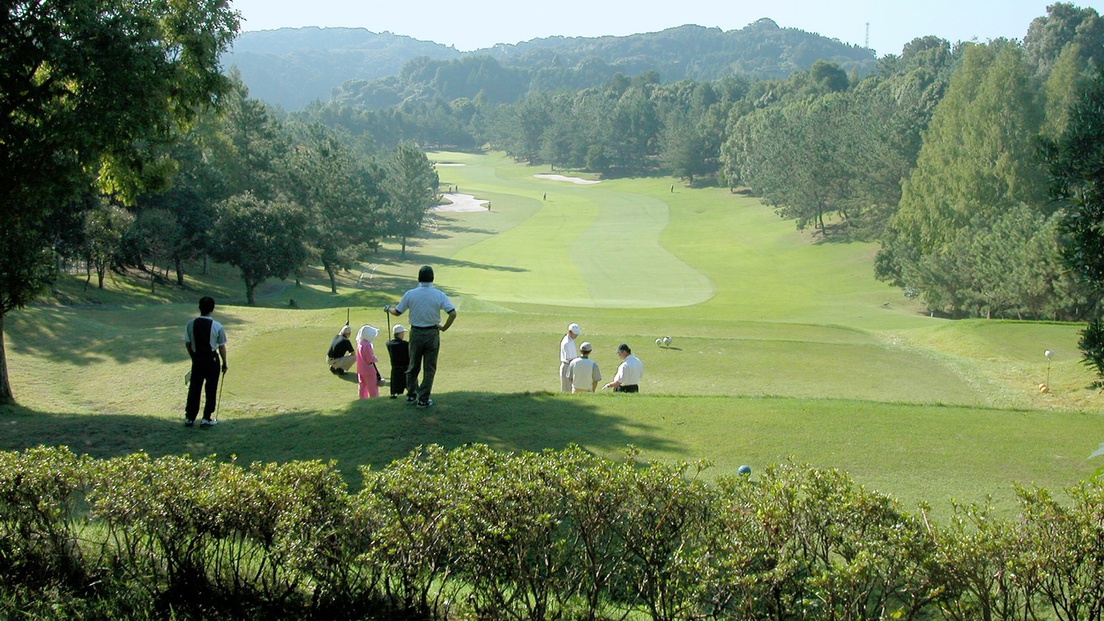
[[292, 67]]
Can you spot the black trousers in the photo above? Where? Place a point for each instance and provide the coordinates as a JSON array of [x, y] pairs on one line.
[[425, 343], [205, 379]]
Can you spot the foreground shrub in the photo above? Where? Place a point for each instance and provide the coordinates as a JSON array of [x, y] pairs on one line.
[[1064, 564], [412, 501], [475, 533], [39, 489]]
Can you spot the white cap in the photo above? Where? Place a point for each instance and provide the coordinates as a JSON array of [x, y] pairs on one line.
[[586, 346], [575, 328], [398, 329]]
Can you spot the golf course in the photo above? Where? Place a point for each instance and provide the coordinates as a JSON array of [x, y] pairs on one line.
[[783, 348]]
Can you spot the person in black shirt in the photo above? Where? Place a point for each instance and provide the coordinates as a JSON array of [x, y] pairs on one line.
[[205, 340], [341, 356], [399, 351]]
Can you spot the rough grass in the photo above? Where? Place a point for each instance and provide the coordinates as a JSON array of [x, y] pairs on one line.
[[784, 348]]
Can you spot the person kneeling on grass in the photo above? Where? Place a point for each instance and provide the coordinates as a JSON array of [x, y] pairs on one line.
[[629, 373], [341, 356]]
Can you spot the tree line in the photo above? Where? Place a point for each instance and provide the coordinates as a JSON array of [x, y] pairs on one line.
[[938, 154], [261, 193]]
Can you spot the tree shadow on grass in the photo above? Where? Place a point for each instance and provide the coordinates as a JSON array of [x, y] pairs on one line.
[[90, 335], [415, 258], [372, 432]]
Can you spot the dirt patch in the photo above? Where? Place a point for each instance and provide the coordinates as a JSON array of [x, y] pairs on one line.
[[462, 202]]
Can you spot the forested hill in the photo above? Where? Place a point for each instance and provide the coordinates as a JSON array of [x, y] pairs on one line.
[[760, 50], [293, 66]]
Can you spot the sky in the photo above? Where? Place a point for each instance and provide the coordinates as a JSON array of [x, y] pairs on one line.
[[477, 24]]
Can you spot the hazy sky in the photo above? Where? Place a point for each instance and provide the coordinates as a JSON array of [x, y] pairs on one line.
[[479, 24]]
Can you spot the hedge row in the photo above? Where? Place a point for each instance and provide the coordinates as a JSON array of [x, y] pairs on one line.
[[474, 533]]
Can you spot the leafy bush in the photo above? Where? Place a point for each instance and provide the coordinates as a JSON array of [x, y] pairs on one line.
[[39, 490], [475, 533]]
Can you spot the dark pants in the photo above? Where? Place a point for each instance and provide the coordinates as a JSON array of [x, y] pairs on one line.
[[629, 388], [205, 378], [398, 379], [425, 343]]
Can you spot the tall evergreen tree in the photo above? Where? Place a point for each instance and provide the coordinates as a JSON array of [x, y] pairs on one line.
[[977, 162], [411, 185]]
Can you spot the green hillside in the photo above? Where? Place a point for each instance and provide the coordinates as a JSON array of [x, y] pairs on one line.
[[783, 348]]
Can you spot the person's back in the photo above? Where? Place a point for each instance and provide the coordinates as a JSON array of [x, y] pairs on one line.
[[425, 304], [205, 340], [583, 372]]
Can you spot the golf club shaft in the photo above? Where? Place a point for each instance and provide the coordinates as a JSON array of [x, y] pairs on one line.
[[222, 384]]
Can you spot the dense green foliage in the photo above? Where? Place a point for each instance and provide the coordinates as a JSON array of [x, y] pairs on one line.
[[89, 92], [1076, 160], [448, 534]]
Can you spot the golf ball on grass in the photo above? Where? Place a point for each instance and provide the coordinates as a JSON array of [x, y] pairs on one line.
[[744, 470]]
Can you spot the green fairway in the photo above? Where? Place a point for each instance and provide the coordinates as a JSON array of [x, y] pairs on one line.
[[784, 347]]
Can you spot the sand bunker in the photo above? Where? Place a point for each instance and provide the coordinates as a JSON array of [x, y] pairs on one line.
[[462, 202], [448, 164], [563, 178]]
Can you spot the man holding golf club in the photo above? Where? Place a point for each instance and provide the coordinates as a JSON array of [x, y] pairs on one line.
[[425, 304], [205, 339]]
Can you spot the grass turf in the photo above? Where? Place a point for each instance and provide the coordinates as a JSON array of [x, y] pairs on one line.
[[784, 347]]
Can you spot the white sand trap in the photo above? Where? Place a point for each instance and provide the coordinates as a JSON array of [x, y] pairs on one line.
[[571, 179], [462, 202], [448, 164]]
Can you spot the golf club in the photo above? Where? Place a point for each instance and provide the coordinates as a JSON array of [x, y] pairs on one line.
[[388, 313], [222, 384]]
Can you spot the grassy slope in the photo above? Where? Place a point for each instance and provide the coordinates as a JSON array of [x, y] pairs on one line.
[[783, 348]]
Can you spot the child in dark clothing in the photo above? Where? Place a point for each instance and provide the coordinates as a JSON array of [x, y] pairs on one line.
[[399, 351]]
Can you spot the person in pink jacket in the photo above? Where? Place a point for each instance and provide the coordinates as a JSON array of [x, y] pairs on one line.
[[366, 362]]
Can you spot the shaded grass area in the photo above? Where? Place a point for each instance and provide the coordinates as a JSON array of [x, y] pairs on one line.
[[913, 452]]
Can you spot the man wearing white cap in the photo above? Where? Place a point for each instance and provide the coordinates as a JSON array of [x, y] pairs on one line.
[[568, 352], [584, 371]]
